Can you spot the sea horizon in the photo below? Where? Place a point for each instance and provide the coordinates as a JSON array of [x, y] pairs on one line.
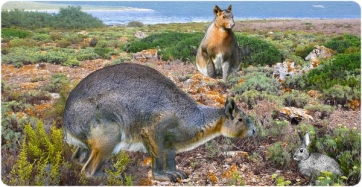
[[159, 12]]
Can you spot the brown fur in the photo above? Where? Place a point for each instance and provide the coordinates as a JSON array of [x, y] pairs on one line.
[[218, 53]]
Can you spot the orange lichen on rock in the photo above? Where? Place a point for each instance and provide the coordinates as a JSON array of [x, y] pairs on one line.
[[230, 171], [199, 87], [42, 109], [315, 94], [354, 104], [212, 178], [146, 162], [292, 112], [144, 182]]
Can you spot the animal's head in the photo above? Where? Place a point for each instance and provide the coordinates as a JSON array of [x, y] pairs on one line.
[[302, 152], [224, 18], [236, 124]]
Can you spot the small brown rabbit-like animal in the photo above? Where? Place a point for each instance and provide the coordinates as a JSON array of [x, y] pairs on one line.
[[311, 164], [135, 108], [218, 53]]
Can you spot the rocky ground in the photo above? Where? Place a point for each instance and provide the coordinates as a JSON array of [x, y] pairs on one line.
[[239, 162]]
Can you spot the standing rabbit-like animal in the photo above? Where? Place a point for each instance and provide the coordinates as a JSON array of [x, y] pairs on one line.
[[311, 164]]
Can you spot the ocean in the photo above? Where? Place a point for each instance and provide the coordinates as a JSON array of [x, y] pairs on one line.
[[154, 12]]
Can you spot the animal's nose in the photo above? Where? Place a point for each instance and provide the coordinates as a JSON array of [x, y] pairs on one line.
[[232, 24], [254, 130]]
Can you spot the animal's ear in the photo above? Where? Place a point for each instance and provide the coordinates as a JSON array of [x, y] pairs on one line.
[[217, 10], [230, 108], [306, 139], [301, 138], [229, 8]]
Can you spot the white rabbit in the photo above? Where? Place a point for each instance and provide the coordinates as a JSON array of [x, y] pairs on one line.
[[311, 164]]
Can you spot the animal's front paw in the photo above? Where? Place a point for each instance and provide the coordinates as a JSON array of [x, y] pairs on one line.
[[173, 176]]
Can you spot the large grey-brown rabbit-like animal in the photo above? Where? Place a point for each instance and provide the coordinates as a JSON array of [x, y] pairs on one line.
[[135, 108], [311, 164], [218, 53]]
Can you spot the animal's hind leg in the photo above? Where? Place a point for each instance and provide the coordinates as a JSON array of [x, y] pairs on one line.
[[103, 139], [211, 72], [81, 155]]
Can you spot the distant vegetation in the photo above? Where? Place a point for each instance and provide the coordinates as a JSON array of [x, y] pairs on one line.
[[68, 18], [183, 46]]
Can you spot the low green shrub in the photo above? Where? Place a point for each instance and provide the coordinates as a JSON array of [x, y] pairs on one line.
[[19, 42], [14, 33], [41, 157], [172, 45], [42, 37], [252, 97], [102, 49], [57, 81], [295, 98], [344, 144], [343, 69], [115, 178], [259, 82], [278, 128], [135, 24], [64, 43], [279, 154], [19, 56], [280, 181], [86, 54], [329, 179], [341, 43], [325, 110], [338, 94], [255, 51], [303, 50]]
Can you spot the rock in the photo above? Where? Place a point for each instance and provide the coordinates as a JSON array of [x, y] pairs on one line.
[[296, 114], [140, 35], [83, 32], [54, 96], [146, 54]]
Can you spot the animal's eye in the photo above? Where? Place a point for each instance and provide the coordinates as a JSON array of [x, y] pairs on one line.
[[223, 17], [240, 119], [301, 150]]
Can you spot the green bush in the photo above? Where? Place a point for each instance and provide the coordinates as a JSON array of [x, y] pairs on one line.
[[344, 144], [19, 56], [252, 97], [135, 24], [295, 98], [56, 57], [343, 69], [41, 157], [57, 81], [278, 154], [70, 17], [14, 33], [42, 37], [19, 42], [325, 110], [102, 49], [64, 43], [303, 50], [86, 54], [259, 82], [278, 128], [255, 51], [172, 45], [338, 94], [341, 43]]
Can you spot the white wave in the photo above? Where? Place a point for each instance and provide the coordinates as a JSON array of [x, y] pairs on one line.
[[318, 6]]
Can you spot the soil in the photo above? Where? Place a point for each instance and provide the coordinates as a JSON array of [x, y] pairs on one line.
[[205, 165]]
